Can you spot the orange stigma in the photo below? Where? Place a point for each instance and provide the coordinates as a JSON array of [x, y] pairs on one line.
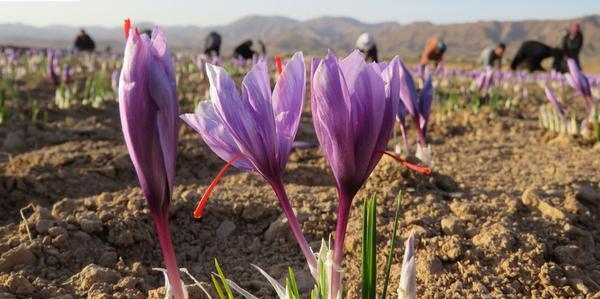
[[137, 31], [127, 27], [279, 65], [421, 169], [204, 200]]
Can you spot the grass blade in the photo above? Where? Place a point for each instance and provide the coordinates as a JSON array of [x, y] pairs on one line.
[[369, 254], [224, 280]]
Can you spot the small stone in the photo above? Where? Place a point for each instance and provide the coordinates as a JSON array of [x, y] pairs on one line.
[[532, 198], [429, 265], [225, 229], [588, 193], [278, 229], [495, 238], [14, 140], [452, 226], [104, 198], [20, 285], [107, 258], [580, 286], [60, 241], [64, 208], [57, 231], [43, 225], [253, 213], [90, 223], [94, 274], [451, 249], [128, 283], [16, 256], [573, 255], [445, 182]]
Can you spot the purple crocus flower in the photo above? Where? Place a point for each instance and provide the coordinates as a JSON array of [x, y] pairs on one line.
[[353, 119], [418, 106], [425, 101], [149, 110], [255, 130], [50, 68], [580, 83], [552, 98], [485, 81]]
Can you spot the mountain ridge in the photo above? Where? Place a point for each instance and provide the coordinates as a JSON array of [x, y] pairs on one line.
[[284, 35]]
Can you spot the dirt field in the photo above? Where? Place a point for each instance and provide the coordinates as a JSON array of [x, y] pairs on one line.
[[511, 211]]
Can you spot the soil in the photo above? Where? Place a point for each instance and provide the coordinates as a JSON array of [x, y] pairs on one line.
[[511, 211]]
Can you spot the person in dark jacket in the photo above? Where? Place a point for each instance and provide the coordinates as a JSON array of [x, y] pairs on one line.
[[84, 42], [532, 53], [212, 44], [572, 42], [244, 50]]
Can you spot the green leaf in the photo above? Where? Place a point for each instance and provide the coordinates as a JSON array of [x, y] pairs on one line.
[[369, 254], [295, 292], [388, 265], [218, 287], [224, 280]]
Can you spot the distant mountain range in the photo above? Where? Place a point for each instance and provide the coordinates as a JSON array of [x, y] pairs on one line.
[[284, 35]]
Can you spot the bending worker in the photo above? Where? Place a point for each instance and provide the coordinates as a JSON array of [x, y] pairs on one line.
[[434, 51], [492, 56]]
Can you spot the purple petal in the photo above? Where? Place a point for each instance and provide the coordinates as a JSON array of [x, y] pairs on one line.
[[552, 98], [148, 111], [216, 135], [351, 66], [368, 108], [425, 100], [331, 116], [288, 98], [408, 92]]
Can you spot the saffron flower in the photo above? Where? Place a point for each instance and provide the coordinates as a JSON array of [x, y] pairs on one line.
[[51, 65], [255, 131], [581, 84], [485, 81], [418, 106], [354, 107], [149, 110], [552, 98]]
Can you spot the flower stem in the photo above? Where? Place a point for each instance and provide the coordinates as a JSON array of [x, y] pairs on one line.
[[161, 221], [294, 225], [338, 245], [405, 138]]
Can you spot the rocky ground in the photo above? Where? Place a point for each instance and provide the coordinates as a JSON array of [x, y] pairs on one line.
[[510, 212]]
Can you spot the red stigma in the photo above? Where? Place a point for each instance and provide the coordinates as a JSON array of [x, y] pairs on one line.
[[204, 200], [137, 31], [279, 65], [418, 168], [127, 27]]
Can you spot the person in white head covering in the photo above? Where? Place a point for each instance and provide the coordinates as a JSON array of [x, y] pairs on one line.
[[366, 44]]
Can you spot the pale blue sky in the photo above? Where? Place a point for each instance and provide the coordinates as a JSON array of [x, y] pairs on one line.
[[201, 12]]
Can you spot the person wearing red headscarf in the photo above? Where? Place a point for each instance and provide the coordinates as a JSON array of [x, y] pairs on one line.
[[572, 42]]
